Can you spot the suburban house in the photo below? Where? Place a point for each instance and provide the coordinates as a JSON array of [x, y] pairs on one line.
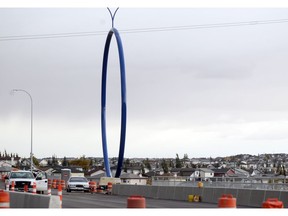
[[129, 178], [205, 173], [43, 163], [222, 172]]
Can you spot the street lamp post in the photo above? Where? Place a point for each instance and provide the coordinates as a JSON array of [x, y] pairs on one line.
[[31, 153]]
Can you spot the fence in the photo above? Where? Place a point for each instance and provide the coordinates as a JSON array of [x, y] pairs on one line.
[[259, 183]]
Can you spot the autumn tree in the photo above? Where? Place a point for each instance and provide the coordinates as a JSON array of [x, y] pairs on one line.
[[35, 161], [82, 162]]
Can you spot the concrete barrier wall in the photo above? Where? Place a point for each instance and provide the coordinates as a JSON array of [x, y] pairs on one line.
[[244, 197], [29, 200]]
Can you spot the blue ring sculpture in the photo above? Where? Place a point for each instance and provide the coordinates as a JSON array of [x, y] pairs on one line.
[[123, 103]]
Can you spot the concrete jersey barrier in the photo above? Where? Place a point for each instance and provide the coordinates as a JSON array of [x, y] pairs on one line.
[[29, 200], [245, 197]]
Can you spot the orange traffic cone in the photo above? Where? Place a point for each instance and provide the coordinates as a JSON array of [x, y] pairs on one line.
[[12, 186]]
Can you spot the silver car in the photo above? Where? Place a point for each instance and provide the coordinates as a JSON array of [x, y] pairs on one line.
[[77, 183]]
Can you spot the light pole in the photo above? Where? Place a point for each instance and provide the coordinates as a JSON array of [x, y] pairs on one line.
[[31, 153]]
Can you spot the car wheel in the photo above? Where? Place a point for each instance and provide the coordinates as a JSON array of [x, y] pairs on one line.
[[68, 190]]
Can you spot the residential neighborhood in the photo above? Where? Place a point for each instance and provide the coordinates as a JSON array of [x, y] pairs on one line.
[[141, 170]]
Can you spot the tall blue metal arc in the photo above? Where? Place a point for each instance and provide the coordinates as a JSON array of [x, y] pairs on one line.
[[123, 103]]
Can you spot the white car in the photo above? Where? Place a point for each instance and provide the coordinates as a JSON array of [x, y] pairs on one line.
[[20, 179], [77, 183], [41, 181]]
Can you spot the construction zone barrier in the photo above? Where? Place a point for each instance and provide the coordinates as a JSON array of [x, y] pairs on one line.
[[34, 191], [136, 202], [7, 185], [194, 198], [25, 188], [99, 189], [3, 177], [50, 183], [109, 187], [49, 191], [272, 203], [200, 184], [92, 186], [58, 182], [60, 194], [12, 186], [63, 185], [54, 184], [227, 201], [4, 199]]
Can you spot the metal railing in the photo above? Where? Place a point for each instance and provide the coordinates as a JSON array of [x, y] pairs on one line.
[[259, 183]]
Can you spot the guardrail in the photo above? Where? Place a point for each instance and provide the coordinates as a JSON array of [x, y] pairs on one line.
[[259, 183]]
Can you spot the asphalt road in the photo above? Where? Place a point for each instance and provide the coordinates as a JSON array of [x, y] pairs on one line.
[[83, 200], [96, 200]]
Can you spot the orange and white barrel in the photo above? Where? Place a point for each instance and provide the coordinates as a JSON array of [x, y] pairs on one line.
[[4, 199], [12, 186], [25, 188], [60, 194], [7, 185], [49, 191], [54, 183], [227, 201], [50, 183], [92, 186], [34, 190], [63, 184], [272, 203], [136, 202], [109, 187]]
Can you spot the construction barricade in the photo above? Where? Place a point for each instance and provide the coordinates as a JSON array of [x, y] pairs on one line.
[[7, 185], [227, 201], [34, 190], [194, 198], [26, 188], [50, 183], [92, 186], [4, 199], [60, 194], [12, 186], [63, 185], [136, 202], [54, 184], [272, 203], [109, 187]]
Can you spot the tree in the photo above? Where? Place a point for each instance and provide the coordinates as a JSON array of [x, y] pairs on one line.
[[171, 164], [35, 161], [65, 163], [142, 169], [82, 162], [126, 164], [164, 166], [54, 161], [147, 164], [178, 162]]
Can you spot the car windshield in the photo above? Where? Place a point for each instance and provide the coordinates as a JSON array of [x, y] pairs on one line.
[[78, 180], [21, 175]]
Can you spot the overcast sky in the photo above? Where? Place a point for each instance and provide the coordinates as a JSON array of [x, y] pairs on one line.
[[212, 89]]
